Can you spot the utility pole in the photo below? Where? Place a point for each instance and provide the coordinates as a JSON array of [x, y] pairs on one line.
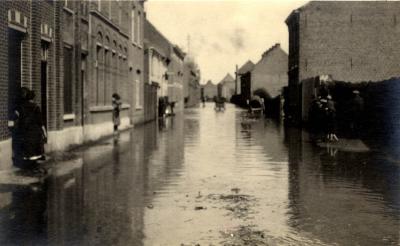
[[188, 43], [236, 80]]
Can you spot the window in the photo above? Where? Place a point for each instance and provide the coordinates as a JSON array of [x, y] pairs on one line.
[[138, 34], [153, 65], [133, 26], [137, 96], [107, 84], [68, 107], [97, 89], [84, 9]]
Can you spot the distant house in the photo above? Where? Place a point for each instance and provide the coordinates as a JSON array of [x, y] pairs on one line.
[[270, 73], [226, 87], [209, 90], [244, 74]]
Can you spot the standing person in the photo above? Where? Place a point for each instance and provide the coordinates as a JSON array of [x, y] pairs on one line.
[[314, 118], [116, 104], [29, 132], [172, 105], [356, 112], [161, 107], [324, 119], [331, 119]]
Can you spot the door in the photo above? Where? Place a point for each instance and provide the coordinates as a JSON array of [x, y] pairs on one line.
[[44, 81], [43, 74], [14, 69], [83, 84]]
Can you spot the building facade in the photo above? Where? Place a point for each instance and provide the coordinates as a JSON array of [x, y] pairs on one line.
[[270, 73], [244, 76], [210, 90], [108, 66], [156, 62], [74, 55], [175, 78], [348, 41], [32, 55], [136, 61], [226, 87]]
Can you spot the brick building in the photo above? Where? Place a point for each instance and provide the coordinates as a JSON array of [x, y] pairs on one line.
[[31, 55], [349, 41], [115, 65], [136, 60], [74, 55], [270, 73]]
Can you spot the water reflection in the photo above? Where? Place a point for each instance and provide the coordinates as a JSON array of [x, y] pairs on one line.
[[17, 225], [340, 197], [143, 189]]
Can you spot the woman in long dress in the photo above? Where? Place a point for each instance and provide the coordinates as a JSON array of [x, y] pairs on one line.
[[29, 134], [116, 104]]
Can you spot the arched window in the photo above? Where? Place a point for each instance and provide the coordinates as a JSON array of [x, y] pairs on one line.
[[99, 66], [107, 71], [114, 66]]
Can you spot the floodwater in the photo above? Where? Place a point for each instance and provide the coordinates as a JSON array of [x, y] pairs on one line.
[[208, 178]]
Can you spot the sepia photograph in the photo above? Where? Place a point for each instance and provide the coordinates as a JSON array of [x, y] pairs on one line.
[[199, 123]]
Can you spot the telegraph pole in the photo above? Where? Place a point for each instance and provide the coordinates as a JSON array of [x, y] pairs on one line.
[[236, 80]]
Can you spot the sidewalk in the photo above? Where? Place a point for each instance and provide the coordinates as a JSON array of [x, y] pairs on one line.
[[57, 163], [54, 166]]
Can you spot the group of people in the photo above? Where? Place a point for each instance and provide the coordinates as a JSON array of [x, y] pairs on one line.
[[165, 107], [323, 116]]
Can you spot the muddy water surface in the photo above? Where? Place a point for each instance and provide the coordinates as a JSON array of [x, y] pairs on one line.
[[208, 178]]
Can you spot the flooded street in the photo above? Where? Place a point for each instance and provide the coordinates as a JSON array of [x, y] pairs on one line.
[[208, 178]]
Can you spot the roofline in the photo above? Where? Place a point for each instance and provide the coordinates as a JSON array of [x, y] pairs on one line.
[[161, 34], [178, 51], [270, 49], [223, 79], [297, 11], [244, 65]]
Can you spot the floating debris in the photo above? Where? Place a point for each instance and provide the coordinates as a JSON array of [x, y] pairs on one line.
[[244, 235], [199, 195], [236, 190]]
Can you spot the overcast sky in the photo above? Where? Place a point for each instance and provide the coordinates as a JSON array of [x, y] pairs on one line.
[[223, 32]]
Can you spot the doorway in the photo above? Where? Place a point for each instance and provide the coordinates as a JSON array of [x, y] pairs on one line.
[[14, 69], [44, 81]]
